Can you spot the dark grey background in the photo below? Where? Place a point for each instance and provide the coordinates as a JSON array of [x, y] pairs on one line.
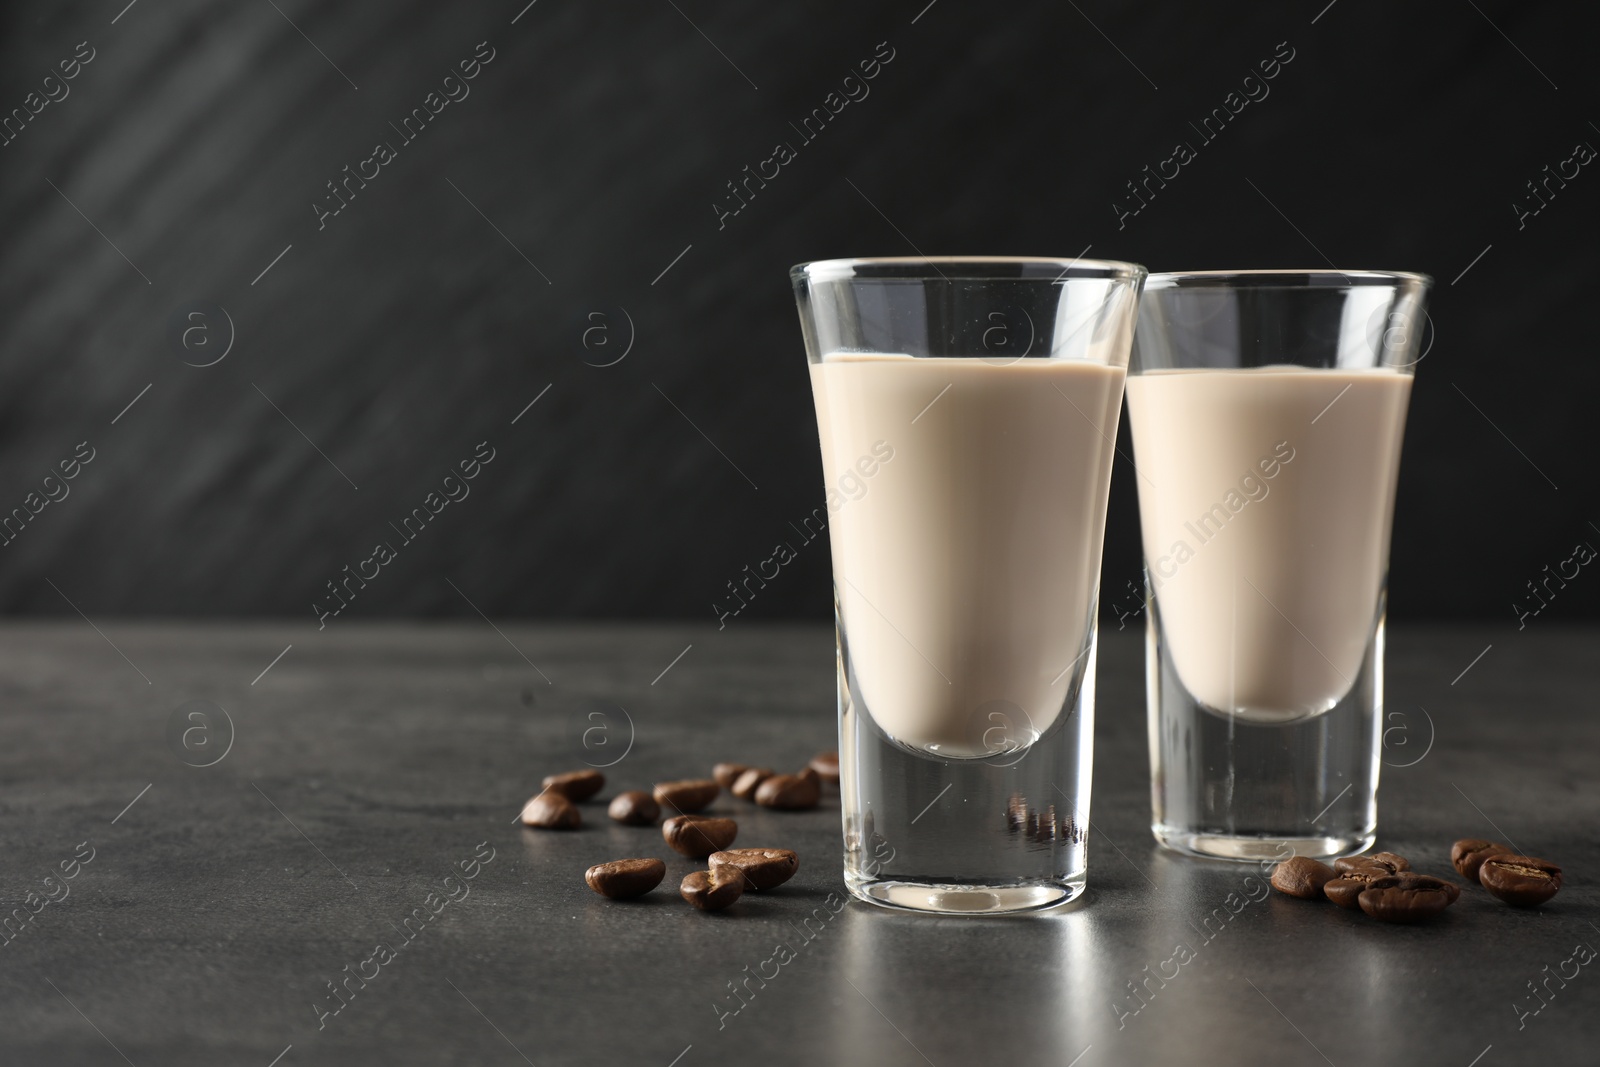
[[595, 143]]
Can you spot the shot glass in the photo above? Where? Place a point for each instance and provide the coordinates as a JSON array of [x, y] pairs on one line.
[[1267, 410], [967, 410]]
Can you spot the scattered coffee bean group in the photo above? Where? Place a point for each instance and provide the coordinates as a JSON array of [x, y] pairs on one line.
[[701, 837], [1381, 885], [1384, 886], [1354, 875]]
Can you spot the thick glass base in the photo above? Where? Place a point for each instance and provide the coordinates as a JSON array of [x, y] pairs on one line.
[[1226, 786], [991, 835], [1253, 849], [963, 899]]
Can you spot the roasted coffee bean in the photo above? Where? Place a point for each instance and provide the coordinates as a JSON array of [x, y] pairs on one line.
[[826, 764], [1521, 881], [634, 808], [621, 879], [1386, 860], [687, 796], [576, 786], [551, 811], [728, 773], [1346, 888], [1365, 871], [1407, 897], [1344, 892], [763, 868], [791, 792], [745, 786], [698, 836], [1411, 879], [1302, 877], [712, 890], [1468, 854]]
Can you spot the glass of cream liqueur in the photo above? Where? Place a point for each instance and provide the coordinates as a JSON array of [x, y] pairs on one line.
[[1267, 410], [967, 409]]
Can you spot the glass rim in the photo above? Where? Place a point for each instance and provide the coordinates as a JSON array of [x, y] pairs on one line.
[[1074, 267], [1305, 278]]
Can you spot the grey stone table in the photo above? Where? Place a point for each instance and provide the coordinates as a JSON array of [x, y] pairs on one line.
[[371, 770]]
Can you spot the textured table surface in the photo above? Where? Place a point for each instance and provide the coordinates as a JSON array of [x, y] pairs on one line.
[[368, 763]]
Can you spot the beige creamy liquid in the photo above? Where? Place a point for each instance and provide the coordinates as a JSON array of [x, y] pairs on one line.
[[1266, 516], [967, 564]]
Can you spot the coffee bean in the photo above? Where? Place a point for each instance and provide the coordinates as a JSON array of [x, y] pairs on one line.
[[1468, 854], [1344, 892], [728, 773], [1411, 879], [1386, 860], [698, 836], [762, 868], [1521, 881], [744, 787], [690, 795], [1368, 871], [621, 879], [1407, 897], [1302, 877], [791, 792], [1346, 888], [551, 811], [712, 890], [576, 786], [635, 808], [826, 764]]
